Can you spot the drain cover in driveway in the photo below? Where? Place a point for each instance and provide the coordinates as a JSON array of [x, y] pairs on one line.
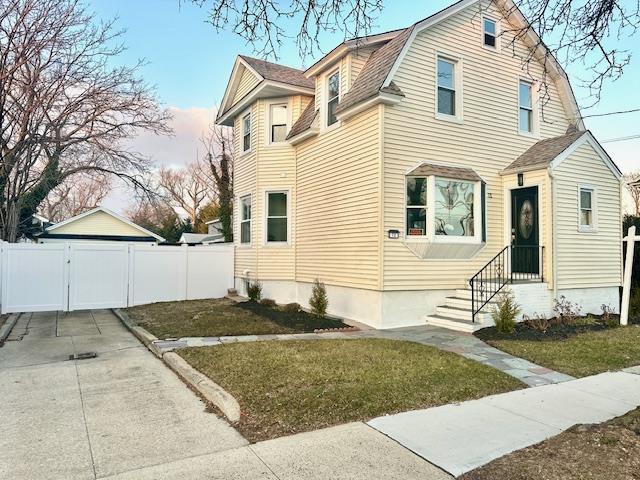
[[83, 356]]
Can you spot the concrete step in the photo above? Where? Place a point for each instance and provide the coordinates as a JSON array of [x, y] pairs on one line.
[[453, 323], [462, 314], [458, 302]]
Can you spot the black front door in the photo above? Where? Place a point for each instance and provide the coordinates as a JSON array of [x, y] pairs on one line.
[[525, 256]]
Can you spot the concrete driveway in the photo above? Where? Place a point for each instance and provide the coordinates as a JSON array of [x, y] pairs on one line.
[[124, 415]]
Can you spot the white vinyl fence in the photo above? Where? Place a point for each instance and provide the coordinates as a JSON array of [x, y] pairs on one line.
[[77, 276]]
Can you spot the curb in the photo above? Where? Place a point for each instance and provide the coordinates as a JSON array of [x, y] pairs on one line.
[[212, 392], [5, 330]]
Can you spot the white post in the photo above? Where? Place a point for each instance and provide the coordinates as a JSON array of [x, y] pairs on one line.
[[628, 268]]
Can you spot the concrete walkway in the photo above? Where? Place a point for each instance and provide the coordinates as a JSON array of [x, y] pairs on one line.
[[461, 343], [459, 438]]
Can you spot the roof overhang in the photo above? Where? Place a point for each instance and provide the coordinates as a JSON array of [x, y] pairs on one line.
[[346, 47], [265, 89], [234, 79], [302, 136], [382, 98]]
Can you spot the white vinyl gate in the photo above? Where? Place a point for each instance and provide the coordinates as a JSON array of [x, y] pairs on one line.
[[78, 276]]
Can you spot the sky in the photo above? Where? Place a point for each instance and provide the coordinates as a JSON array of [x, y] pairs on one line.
[[189, 64]]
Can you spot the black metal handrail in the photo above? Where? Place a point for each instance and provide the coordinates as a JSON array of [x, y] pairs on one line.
[[512, 263]]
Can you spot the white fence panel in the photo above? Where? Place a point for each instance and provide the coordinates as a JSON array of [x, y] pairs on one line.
[[98, 276], [209, 271], [34, 277], [157, 274]]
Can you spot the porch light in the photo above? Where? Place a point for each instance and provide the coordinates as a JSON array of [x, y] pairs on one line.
[[520, 179]]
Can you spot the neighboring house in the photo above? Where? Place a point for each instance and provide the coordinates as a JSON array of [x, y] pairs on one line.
[[402, 165], [98, 225], [214, 235]]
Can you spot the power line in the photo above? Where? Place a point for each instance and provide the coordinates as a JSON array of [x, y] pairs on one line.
[[621, 139], [611, 113]]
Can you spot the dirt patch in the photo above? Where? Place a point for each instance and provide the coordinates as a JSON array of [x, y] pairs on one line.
[[608, 451]]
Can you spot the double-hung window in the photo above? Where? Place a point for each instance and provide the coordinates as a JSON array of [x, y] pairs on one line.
[[525, 102], [333, 97], [586, 206], [245, 219], [446, 87], [277, 218], [278, 123], [416, 206], [489, 33], [246, 132]]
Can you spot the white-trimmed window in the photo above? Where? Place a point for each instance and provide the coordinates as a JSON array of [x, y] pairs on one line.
[[277, 217], [277, 122], [246, 132], [587, 208], [454, 208], [446, 87], [525, 104], [333, 97], [416, 206], [489, 33], [245, 219]]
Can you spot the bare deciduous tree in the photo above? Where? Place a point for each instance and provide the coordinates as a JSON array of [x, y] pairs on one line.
[[632, 182], [187, 188], [218, 143], [63, 109], [73, 198]]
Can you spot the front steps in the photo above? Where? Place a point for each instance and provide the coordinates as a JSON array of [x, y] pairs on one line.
[[456, 314]]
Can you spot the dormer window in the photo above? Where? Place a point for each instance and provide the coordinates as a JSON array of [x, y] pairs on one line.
[[489, 33], [333, 96]]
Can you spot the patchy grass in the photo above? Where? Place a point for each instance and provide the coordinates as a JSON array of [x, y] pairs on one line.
[[287, 387], [582, 353], [219, 317], [607, 451]]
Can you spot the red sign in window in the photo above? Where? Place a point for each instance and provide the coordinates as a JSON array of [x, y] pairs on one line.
[[416, 231]]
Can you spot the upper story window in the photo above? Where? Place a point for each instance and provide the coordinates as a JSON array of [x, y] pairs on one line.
[[278, 123], [277, 218], [449, 88], [525, 106], [489, 32], [333, 96], [416, 206], [246, 132], [245, 219], [587, 208]]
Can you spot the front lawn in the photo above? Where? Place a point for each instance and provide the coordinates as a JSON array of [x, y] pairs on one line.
[[577, 350], [220, 317], [608, 451], [287, 387]]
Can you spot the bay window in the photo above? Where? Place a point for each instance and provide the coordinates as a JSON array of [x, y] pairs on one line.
[[278, 123], [454, 208], [416, 206], [246, 132]]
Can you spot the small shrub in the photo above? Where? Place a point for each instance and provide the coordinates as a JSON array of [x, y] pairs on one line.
[[268, 302], [538, 322], [254, 291], [319, 301], [585, 321], [566, 311], [505, 313], [291, 307], [607, 317]]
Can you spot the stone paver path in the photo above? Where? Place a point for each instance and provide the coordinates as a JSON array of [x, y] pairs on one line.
[[457, 342]]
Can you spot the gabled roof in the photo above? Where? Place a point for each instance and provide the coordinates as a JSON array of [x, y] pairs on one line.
[[143, 231], [279, 73], [551, 152], [305, 120]]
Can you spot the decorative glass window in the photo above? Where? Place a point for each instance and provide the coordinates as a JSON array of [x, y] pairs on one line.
[[277, 228], [416, 206], [446, 87], [245, 219], [246, 132], [586, 209], [489, 32], [278, 119], [454, 207], [526, 107], [333, 96]]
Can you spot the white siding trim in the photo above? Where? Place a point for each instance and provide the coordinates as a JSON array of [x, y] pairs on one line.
[[590, 139]]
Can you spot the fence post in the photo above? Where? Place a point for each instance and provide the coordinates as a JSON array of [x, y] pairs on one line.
[[628, 270]]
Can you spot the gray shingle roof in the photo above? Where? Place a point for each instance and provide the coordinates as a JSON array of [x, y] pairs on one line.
[[458, 173], [542, 153], [305, 119], [279, 73], [375, 71]]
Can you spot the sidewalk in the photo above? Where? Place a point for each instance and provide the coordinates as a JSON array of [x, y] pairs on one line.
[[459, 438]]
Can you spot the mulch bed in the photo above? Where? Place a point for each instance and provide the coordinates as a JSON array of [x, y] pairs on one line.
[[299, 321]]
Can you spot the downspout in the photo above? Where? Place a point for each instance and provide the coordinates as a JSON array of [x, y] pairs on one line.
[[554, 240]]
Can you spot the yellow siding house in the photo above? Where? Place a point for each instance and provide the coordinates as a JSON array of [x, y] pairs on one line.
[[419, 172]]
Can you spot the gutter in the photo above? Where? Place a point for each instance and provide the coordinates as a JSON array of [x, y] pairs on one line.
[[554, 240]]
